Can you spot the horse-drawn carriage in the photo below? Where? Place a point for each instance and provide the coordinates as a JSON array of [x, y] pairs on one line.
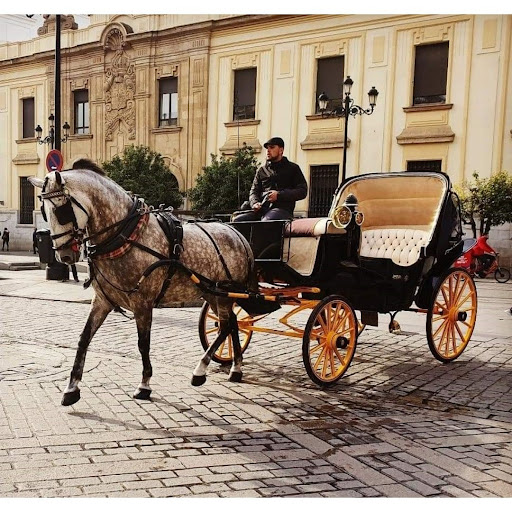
[[388, 243]]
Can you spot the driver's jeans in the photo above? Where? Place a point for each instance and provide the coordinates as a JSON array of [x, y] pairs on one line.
[[264, 214]]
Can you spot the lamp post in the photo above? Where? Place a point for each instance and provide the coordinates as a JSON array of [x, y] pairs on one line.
[[52, 137], [347, 109], [236, 113]]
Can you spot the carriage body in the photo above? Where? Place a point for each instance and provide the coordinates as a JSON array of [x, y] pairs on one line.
[[400, 255], [410, 235]]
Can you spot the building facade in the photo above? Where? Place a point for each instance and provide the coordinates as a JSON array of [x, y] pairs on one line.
[[188, 86]]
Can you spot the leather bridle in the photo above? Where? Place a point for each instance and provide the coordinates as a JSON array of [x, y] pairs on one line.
[[65, 215]]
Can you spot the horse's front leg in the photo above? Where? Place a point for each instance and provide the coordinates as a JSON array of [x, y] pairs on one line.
[[144, 318], [199, 375], [99, 311], [235, 375]]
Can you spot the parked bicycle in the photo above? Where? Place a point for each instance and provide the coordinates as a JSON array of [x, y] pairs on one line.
[[480, 259]]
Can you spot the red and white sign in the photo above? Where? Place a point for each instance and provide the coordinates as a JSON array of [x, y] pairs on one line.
[[54, 160]]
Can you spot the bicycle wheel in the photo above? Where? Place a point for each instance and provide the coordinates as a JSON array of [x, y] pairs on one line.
[[502, 275]]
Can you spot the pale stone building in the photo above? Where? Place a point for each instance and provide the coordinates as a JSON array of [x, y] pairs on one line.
[[188, 86]]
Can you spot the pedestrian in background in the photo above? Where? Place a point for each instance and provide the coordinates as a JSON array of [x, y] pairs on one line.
[[34, 241], [5, 239]]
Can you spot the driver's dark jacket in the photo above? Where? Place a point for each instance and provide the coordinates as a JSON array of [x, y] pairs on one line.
[[283, 176]]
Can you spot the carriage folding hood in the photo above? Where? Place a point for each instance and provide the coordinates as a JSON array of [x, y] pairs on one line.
[[401, 212]]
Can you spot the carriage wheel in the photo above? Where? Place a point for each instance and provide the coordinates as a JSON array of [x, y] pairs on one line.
[[452, 316], [209, 328], [329, 340]]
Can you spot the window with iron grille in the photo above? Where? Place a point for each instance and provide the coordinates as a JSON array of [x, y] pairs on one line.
[[323, 183], [28, 118], [424, 165], [329, 80], [430, 72], [81, 110], [26, 201], [244, 96], [168, 115]]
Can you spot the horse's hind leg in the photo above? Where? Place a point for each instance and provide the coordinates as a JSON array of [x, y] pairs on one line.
[[144, 317], [199, 375], [235, 375], [97, 315]]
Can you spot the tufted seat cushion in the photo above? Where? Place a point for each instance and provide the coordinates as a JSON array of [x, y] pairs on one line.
[[402, 246]]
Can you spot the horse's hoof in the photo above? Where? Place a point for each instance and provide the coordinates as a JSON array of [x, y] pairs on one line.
[[235, 377], [198, 380], [71, 397], [142, 394]]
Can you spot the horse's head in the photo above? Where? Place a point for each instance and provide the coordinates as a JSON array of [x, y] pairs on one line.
[[65, 215]]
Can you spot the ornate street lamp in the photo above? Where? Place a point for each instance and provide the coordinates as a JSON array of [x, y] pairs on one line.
[[347, 109], [51, 137]]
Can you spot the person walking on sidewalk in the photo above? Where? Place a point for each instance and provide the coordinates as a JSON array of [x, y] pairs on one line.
[[74, 272], [34, 241], [5, 239]]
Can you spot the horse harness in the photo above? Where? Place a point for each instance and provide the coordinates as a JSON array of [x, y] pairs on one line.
[[126, 236]]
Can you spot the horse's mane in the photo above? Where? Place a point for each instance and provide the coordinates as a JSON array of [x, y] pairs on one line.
[[85, 163]]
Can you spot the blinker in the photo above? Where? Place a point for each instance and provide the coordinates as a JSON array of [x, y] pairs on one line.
[[65, 213]]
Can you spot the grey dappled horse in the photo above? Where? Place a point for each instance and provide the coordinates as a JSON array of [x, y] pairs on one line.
[[82, 205]]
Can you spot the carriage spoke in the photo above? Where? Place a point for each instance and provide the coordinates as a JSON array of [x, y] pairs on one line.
[[340, 320], [316, 348], [454, 339], [462, 336], [322, 323], [341, 359], [443, 325], [443, 335], [320, 357]]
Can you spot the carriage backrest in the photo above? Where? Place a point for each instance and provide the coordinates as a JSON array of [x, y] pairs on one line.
[[401, 212]]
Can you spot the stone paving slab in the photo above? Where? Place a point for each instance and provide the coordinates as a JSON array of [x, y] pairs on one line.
[[399, 424]]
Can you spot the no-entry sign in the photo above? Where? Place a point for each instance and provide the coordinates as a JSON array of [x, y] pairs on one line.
[[54, 160]]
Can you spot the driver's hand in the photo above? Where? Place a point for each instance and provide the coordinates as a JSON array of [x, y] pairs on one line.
[[272, 196], [256, 206]]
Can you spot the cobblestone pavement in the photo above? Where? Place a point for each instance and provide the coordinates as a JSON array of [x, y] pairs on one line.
[[399, 424]]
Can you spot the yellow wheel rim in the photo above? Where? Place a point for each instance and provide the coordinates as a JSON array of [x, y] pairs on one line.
[[453, 315], [332, 340], [211, 330]]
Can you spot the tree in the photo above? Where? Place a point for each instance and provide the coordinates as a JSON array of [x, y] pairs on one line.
[[217, 188], [486, 202], [144, 173]]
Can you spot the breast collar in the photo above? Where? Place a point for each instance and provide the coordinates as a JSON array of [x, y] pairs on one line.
[[130, 230]]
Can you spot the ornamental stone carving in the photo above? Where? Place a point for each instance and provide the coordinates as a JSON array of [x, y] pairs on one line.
[[119, 85], [67, 22]]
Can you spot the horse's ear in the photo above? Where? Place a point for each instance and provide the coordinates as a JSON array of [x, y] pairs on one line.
[[37, 182], [58, 178]]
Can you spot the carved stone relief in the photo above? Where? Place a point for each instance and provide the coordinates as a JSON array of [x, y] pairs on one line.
[[80, 83], [119, 85], [67, 22]]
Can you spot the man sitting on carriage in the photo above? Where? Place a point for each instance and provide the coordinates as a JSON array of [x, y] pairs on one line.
[[277, 186]]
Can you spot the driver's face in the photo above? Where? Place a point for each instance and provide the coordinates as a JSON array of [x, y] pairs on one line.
[[274, 153]]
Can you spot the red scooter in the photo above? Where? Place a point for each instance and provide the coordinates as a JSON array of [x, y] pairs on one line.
[[480, 259]]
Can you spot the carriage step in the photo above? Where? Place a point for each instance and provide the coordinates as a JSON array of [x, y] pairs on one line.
[[291, 291]]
